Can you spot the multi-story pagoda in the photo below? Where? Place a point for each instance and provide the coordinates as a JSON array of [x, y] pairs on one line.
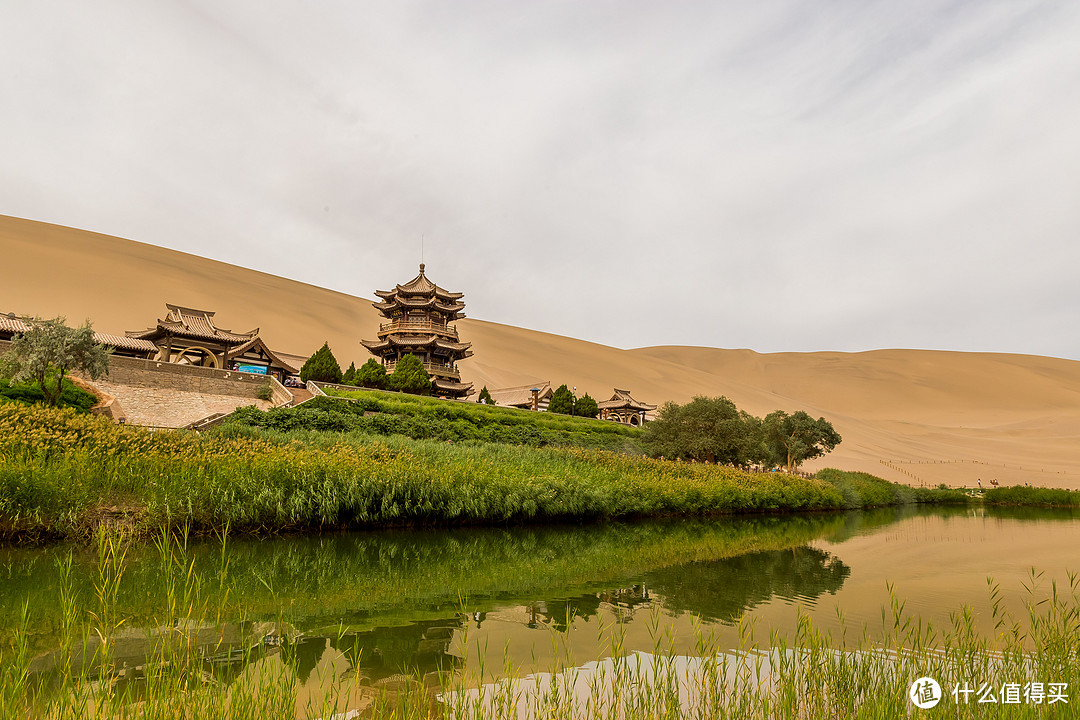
[[419, 314]]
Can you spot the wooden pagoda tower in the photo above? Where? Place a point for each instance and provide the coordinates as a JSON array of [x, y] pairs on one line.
[[418, 316]]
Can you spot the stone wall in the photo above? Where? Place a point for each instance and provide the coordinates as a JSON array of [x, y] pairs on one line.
[[133, 372]]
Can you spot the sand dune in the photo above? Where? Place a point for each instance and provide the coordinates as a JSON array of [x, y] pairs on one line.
[[908, 415]]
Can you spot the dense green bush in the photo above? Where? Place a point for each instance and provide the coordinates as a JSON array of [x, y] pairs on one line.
[[58, 470], [322, 366], [349, 377], [1024, 495], [371, 374], [409, 376], [71, 396], [375, 413], [863, 490], [562, 401], [586, 407]]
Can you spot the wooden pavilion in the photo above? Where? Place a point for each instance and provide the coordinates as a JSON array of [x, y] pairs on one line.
[[623, 408], [534, 396], [419, 314], [189, 337]]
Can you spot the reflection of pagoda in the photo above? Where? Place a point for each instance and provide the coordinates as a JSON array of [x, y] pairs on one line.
[[419, 312]]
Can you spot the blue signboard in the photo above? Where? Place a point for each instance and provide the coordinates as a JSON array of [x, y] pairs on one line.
[[258, 369]]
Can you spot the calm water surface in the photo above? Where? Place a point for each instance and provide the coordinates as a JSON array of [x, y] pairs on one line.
[[380, 604]]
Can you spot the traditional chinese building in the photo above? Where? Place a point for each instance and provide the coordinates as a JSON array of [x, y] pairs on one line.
[[624, 409], [535, 396], [419, 314], [11, 325], [189, 337]]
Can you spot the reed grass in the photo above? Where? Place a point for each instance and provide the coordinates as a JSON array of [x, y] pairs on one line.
[[62, 475], [812, 675], [1036, 496], [863, 490]]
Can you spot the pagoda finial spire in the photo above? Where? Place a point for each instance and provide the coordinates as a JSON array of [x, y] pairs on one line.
[[421, 268]]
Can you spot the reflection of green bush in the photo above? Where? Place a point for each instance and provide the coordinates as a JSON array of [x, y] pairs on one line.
[[724, 589], [394, 577]]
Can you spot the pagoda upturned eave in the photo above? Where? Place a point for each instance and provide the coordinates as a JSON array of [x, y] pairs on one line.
[[399, 303], [429, 342]]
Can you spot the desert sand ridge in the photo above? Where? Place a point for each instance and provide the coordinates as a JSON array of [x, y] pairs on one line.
[[933, 416]]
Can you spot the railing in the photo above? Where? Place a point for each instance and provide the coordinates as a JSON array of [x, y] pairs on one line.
[[427, 325], [432, 368]]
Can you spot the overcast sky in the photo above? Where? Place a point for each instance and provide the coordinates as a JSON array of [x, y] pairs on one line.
[[778, 175]]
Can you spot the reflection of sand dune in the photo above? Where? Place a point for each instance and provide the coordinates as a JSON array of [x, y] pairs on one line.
[[940, 416]]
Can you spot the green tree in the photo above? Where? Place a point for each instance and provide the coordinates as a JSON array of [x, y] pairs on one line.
[[322, 366], [409, 376], [48, 351], [562, 401], [791, 439], [349, 378], [372, 374], [707, 430], [485, 397], [586, 406]]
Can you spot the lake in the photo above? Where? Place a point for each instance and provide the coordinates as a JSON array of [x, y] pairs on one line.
[[379, 605]]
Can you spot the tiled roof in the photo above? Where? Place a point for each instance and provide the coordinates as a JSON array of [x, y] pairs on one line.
[[419, 285], [125, 343], [520, 395], [450, 385], [400, 301], [17, 325], [257, 342], [191, 323], [622, 399], [11, 324]]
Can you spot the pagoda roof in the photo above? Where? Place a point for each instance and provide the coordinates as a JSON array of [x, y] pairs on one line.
[[400, 340], [398, 301], [451, 386], [257, 343], [192, 323], [622, 399], [419, 285]]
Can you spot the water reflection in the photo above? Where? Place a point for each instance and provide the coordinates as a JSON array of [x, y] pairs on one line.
[[376, 605]]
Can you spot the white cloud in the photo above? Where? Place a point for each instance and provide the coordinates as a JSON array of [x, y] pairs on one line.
[[780, 175]]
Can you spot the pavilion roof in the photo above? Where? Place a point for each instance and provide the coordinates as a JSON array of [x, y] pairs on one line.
[[276, 358], [521, 394], [432, 302], [192, 323], [402, 340], [450, 385], [419, 285], [623, 399]]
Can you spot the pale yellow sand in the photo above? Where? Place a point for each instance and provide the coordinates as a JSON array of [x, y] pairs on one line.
[[932, 416]]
